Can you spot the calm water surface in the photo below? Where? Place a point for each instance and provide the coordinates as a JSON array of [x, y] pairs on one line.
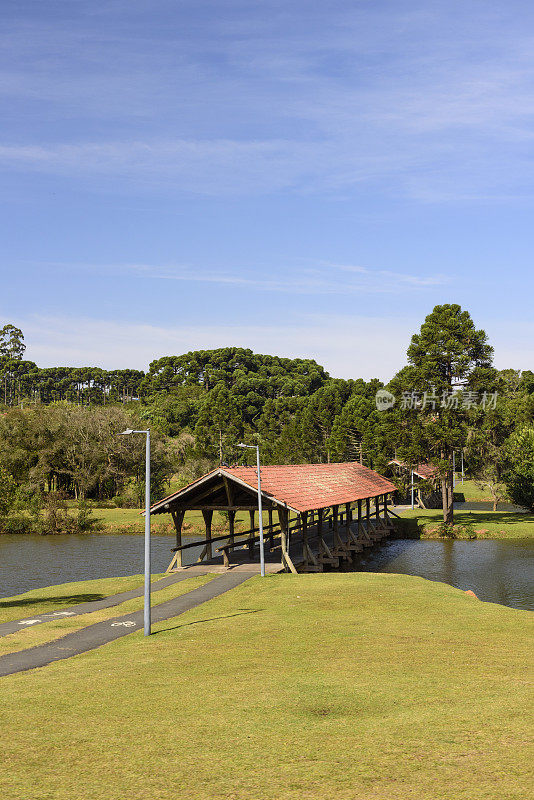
[[29, 562], [497, 571]]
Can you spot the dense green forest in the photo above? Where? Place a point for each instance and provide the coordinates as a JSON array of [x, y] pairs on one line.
[[59, 426]]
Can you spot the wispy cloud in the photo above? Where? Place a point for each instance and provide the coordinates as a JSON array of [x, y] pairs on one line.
[[436, 101], [321, 278], [396, 279]]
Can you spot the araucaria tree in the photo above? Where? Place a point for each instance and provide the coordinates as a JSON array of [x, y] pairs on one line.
[[449, 371]]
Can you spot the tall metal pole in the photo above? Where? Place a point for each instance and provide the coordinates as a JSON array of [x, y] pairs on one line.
[[147, 615], [260, 512], [462, 466], [453, 469], [412, 489]]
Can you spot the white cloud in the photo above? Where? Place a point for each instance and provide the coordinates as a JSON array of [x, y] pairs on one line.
[[434, 104], [319, 278], [349, 347], [323, 278]]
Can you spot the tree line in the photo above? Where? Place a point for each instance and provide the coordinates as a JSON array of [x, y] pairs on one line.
[[251, 375], [58, 430]]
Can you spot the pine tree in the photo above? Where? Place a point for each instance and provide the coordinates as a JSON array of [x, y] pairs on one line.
[[449, 362]]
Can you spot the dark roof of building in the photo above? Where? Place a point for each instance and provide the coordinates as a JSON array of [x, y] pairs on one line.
[[301, 487], [427, 472]]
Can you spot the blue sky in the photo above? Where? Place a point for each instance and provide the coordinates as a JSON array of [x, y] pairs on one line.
[[302, 178]]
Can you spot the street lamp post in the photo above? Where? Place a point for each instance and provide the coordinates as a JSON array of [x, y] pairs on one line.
[[412, 489], [147, 620], [260, 510]]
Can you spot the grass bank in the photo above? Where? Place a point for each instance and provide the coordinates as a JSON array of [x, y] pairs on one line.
[[130, 520], [424, 524], [309, 687], [468, 491], [56, 628], [56, 598]]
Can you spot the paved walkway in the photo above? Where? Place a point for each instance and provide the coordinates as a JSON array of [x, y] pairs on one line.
[[94, 605], [100, 633]]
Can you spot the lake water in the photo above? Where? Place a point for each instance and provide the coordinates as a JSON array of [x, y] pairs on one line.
[[496, 571]]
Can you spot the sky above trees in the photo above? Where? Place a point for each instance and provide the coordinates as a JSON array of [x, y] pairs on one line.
[[301, 178]]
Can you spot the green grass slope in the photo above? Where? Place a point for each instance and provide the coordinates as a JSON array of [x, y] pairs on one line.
[[309, 687]]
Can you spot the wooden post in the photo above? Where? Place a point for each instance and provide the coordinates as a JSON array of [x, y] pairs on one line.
[[288, 530], [359, 518], [271, 543], [283, 519], [377, 509], [231, 523], [208, 516], [339, 545], [368, 515], [304, 520], [252, 514], [325, 554], [347, 521], [178, 518], [231, 537]]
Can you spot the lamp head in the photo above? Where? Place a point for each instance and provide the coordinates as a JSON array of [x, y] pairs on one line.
[[126, 432]]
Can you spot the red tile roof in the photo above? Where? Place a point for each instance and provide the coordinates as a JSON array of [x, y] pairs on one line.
[[426, 471], [302, 487]]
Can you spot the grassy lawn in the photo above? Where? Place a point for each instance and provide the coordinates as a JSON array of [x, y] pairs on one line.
[[130, 520], [311, 687], [471, 492], [55, 598], [421, 523], [56, 628]]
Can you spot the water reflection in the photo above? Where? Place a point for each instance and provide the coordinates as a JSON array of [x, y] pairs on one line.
[[496, 571], [30, 562]]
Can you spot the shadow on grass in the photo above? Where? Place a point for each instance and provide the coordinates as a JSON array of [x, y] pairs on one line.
[[70, 600], [211, 619]]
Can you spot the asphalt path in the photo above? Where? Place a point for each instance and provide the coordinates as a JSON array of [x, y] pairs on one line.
[[93, 605], [101, 633]]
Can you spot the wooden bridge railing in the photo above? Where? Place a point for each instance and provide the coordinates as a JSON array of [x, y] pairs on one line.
[[273, 531]]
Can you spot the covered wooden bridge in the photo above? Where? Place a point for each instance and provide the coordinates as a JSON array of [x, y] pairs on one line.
[[323, 514]]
